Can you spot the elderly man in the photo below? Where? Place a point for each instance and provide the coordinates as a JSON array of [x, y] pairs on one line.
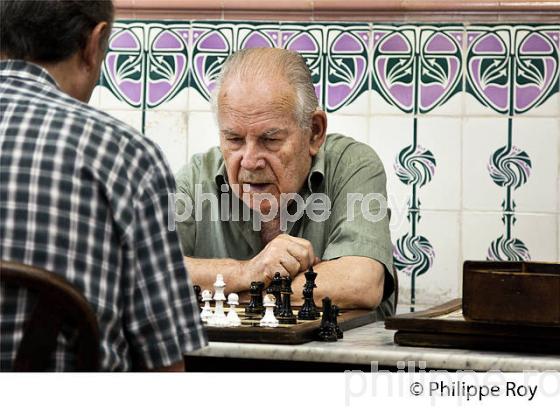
[[85, 196], [273, 145]]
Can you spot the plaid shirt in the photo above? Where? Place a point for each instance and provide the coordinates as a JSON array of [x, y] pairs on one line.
[[85, 196]]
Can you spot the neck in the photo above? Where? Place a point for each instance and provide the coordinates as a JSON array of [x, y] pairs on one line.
[[270, 230], [67, 75]]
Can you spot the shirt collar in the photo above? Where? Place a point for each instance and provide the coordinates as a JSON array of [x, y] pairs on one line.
[[314, 179], [26, 71]]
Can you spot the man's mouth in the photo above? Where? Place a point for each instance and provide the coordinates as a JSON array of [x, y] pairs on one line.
[[255, 187]]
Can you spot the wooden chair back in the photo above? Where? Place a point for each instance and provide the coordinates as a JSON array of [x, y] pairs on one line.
[[58, 303]]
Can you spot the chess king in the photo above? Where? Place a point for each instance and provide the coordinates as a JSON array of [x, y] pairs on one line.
[[274, 145]]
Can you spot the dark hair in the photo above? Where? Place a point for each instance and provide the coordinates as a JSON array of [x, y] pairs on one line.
[[49, 31]]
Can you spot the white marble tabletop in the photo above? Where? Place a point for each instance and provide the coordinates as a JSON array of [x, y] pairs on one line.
[[373, 343]]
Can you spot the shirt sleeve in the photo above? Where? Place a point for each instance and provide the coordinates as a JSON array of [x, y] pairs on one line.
[[359, 219], [184, 221], [162, 318]]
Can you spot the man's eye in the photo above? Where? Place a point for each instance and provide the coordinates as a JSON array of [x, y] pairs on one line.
[[235, 140], [269, 140]]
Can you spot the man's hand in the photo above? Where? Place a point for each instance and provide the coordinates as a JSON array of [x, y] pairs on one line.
[[286, 254]]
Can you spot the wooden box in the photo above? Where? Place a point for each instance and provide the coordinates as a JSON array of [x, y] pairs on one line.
[[512, 292], [445, 326]]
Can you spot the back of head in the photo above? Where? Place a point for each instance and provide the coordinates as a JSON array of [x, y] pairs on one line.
[[267, 64], [49, 31]]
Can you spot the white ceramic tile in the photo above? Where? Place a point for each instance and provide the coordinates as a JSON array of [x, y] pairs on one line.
[[94, 99], [179, 102], [203, 132], [379, 106], [354, 126], [442, 136], [360, 106], [441, 282], [539, 138], [169, 131], [197, 102], [550, 108], [108, 101], [388, 135], [131, 117], [481, 137], [479, 229], [539, 233], [474, 107], [452, 107]]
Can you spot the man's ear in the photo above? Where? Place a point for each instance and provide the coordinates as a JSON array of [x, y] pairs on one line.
[[94, 50], [318, 131]]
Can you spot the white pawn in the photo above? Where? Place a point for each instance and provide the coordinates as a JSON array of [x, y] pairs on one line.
[[206, 313], [269, 302], [232, 317], [219, 317]]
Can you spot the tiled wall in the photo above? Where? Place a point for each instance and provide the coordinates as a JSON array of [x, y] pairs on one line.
[[465, 118]]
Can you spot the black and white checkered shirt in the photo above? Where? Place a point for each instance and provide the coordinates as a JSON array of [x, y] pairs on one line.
[[85, 196]]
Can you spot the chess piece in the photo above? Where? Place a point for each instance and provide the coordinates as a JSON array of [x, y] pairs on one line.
[[219, 319], [309, 310], [232, 317], [327, 330], [268, 319], [310, 277], [275, 289], [335, 314], [286, 315], [206, 312], [255, 308], [198, 294]]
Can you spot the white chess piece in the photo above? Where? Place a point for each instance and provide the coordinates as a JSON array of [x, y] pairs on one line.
[[219, 317], [269, 302], [206, 312], [232, 317]]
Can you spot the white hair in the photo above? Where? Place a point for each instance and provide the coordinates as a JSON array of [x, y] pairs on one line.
[[267, 62]]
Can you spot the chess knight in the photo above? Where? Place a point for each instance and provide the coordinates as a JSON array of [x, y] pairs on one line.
[[274, 165]]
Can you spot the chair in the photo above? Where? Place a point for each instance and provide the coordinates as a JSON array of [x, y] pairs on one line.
[[58, 302]]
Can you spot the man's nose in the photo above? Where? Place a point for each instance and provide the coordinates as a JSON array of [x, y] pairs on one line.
[[252, 159]]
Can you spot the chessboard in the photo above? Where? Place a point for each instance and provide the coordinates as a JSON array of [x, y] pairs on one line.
[[302, 332]]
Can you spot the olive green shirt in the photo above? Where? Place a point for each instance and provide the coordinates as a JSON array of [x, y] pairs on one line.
[[342, 167]]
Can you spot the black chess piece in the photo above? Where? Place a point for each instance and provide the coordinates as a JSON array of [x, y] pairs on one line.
[[286, 315], [198, 294], [335, 314], [309, 310], [327, 330], [276, 289], [255, 308]]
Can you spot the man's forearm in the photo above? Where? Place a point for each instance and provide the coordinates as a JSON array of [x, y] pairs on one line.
[[350, 281], [203, 273]]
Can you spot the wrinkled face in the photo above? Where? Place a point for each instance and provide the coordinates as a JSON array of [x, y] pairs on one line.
[[264, 149]]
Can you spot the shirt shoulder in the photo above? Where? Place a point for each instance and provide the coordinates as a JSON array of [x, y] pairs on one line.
[[201, 169], [344, 154]]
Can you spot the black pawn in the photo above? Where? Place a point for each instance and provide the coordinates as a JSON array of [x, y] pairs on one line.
[[198, 294], [286, 315], [335, 314], [255, 308], [327, 330]]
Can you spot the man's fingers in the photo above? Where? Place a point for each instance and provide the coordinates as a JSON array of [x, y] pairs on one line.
[[291, 264], [300, 253], [308, 247]]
